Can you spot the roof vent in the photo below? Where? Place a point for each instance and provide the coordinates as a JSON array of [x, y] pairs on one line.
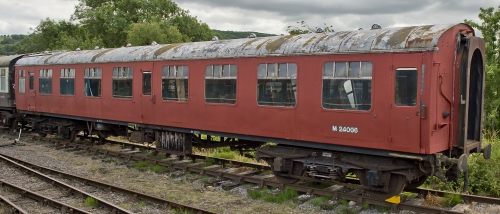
[[215, 38], [96, 47], [77, 49], [252, 35], [154, 43], [376, 26], [128, 45], [320, 30]]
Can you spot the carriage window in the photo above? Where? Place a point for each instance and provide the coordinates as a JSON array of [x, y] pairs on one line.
[[67, 86], [146, 82], [277, 84], [347, 85], [45, 81], [3, 80], [22, 81], [220, 83], [122, 82], [406, 87], [92, 82], [32, 81], [174, 85]]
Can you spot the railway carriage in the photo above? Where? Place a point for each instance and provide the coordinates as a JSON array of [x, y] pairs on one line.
[[391, 106], [7, 87]]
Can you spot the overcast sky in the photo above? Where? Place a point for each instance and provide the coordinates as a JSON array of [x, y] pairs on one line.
[[271, 16]]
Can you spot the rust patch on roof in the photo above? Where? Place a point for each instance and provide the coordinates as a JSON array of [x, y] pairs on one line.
[[276, 44], [94, 58], [165, 49], [248, 43]]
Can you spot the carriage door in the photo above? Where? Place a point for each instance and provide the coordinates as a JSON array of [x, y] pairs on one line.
[[148, 97], [405, 109], [31, 90]]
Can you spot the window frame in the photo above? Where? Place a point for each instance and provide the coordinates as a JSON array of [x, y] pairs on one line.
[[348, 77], [416, 85], [45, 74], [67, 73], [22, 76], [4, 72], [92, 74], [277, 76], [167, 75], [120, 74], [221, 77], [31, 81]]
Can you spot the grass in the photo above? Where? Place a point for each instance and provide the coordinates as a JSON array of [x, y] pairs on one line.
[[90, 202], [157, 168], [142, 204], [318, 201], [142, 165], [266, 195]]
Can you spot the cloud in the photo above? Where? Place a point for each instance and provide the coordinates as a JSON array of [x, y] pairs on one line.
[[271, 16]]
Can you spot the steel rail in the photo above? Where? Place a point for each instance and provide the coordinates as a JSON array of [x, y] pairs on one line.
[[114, 208], [465, 197], [65, 208], [109, 186], [13, 205], [240, 179]]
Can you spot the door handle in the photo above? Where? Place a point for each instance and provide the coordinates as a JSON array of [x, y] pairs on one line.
[[152, 98]]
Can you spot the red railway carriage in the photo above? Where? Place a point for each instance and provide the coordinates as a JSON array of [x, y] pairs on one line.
[[391, 105]]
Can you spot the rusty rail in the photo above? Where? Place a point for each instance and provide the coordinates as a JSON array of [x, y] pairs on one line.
[[109, 186], [16, 208], [114, 208], [262, 182], [240, 179], [48, 201]]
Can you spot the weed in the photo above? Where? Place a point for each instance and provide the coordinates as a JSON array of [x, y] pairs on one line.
[[452, 199], [408, 195], [208, 162], [142, 165], [344, 202], [157, 168], [318, 201], [346, 210], [279, 197], [142, 204], [383, 209], [203, 180], [366, 206], [90, 202]]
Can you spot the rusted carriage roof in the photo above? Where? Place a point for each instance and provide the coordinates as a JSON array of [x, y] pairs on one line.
[[5, 60], [360, 41]]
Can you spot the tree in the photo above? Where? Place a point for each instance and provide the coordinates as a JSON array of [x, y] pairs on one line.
[[304, 28], [147, 32], [111, 20], [47, 35], [490, 28]]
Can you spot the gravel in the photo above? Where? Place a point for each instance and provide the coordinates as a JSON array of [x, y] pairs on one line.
[[177, 186]]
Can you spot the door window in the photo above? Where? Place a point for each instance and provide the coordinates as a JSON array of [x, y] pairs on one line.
[[406, 87], [146, 83]]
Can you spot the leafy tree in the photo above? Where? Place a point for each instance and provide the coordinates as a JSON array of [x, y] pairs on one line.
[[112, 20], [490, 28], [147, 32], [46, 35], [304, 28]]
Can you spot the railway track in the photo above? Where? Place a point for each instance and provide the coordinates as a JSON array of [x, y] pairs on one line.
[[57, 195], [249, 177]]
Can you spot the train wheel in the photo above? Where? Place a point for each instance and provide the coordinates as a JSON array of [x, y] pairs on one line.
[[416, 183], [396, 185]]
